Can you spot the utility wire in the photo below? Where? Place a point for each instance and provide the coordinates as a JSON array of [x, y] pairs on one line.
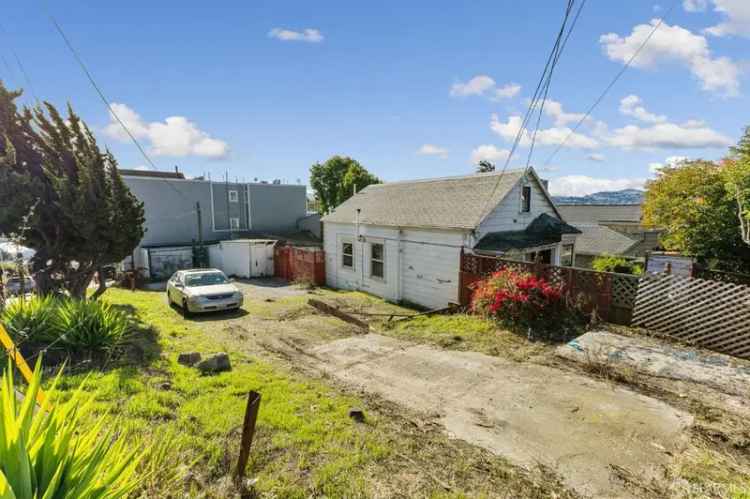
[[99, 90], [104, 99], [611, 83], [21, 67], [542, 88]]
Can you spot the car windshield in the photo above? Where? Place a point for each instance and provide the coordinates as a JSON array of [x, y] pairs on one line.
[[205, 279]]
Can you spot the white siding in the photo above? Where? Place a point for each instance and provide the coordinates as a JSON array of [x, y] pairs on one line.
[[421, 266], [508, 216]]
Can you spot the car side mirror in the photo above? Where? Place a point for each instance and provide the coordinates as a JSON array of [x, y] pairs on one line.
[[179, 285]]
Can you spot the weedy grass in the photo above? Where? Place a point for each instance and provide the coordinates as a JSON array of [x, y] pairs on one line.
[[305, 443]]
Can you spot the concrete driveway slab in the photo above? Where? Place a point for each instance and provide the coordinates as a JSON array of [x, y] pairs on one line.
[[530, 414]]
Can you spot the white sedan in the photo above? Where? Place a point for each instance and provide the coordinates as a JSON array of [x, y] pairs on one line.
[[203, 290]]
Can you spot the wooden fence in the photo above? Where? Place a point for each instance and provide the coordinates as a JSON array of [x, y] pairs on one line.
[[611, 295], [300, 264], [710, 314]]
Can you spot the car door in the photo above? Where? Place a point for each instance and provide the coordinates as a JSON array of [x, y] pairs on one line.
[[173, 288]]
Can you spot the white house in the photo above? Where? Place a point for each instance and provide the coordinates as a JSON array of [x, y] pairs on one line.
[[402, 240]]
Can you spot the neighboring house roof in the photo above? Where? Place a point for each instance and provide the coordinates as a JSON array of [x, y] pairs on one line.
[[448, 203], [598, 213], [600, 240], [542, 231], [151, 174]]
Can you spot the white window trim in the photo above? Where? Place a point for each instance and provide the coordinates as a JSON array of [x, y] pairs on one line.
[[232, 225], [341, 258], [234, 196], [382, 261]]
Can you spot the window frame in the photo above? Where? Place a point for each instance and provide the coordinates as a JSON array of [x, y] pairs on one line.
[[525, 200], [234, 196], [381, 261], [233, 226], [344, 242]]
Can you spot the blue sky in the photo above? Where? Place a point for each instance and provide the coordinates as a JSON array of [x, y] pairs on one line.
[[265, 89]]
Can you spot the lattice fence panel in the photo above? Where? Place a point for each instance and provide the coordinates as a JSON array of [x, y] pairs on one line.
[[710, 314], [624, 290]]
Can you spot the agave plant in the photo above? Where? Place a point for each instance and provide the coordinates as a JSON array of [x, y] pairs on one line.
[[89, 326], [30, 320], [46, 453]]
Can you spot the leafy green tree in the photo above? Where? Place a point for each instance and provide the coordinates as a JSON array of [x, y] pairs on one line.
[[337, 179], [64, 197], [691, 203], [485, 166], [737, 177], [618, 264]]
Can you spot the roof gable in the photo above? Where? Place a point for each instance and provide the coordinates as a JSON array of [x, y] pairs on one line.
[[449, 203]]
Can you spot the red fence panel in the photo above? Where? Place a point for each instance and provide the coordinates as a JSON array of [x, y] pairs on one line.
[[300, 264], [593, 290]]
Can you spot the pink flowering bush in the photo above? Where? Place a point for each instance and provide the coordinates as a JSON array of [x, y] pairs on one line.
[[525, 303]]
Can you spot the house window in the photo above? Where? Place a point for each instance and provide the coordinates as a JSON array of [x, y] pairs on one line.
[[566, 257], [526, 199], [377, 260], [234, 223], [233, 197], [347, 255]]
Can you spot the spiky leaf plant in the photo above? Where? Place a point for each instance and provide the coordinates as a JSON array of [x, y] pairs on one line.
[[89, 326], [30, 320], [45, 453]]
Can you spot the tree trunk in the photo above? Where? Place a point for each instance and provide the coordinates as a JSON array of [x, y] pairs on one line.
[[102, 284]]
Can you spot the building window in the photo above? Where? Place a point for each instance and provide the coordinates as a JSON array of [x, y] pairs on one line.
[[377, 260], [566, 257], [234, 223], [347, 255], [526, 199], [234, 197]]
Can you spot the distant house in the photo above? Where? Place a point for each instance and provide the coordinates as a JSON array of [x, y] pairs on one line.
[[402, 240], [228, 210], [610, 230]]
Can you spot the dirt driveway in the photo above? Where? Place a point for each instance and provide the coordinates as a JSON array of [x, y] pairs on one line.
[[603, 438], [584, 429]]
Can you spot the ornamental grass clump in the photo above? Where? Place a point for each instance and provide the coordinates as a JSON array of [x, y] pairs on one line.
[[89, 327], [526, 304], [30, 320], [47, 452]]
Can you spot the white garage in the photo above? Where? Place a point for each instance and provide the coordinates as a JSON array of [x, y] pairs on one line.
[[243, 257], [402, 240]]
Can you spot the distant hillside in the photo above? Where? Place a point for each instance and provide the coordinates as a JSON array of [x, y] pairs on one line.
[[625, 196]]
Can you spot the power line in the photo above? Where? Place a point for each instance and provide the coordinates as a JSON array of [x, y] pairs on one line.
[[99, 90], [611, 83], [21, 67], [544, 83]]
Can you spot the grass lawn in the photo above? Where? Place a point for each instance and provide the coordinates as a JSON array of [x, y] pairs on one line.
[[305, 445]]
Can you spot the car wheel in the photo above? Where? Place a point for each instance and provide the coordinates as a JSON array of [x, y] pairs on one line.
[[185, 310]]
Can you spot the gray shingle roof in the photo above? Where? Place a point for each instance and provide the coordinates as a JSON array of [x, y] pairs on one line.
[[599, 240], [448, 203], [597, 213], [544, 230]]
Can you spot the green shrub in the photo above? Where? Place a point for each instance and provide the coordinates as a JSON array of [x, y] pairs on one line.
[[609, 263], [89, 327], [47, 453], [30, 321]]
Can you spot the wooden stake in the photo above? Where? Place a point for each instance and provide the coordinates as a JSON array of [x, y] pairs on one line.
[[248, 431]]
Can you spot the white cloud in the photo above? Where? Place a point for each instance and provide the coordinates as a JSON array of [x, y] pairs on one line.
[[596, 157], [476, 86], [175, 136], [507, 91], [546, 136], [671, 161], [555, 110], [433, 150], [695, 5], [667, 136], [581, 185], [490, 153], [308, 35], [485, 85], [675, 44], [632, 105], [735, 14]]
